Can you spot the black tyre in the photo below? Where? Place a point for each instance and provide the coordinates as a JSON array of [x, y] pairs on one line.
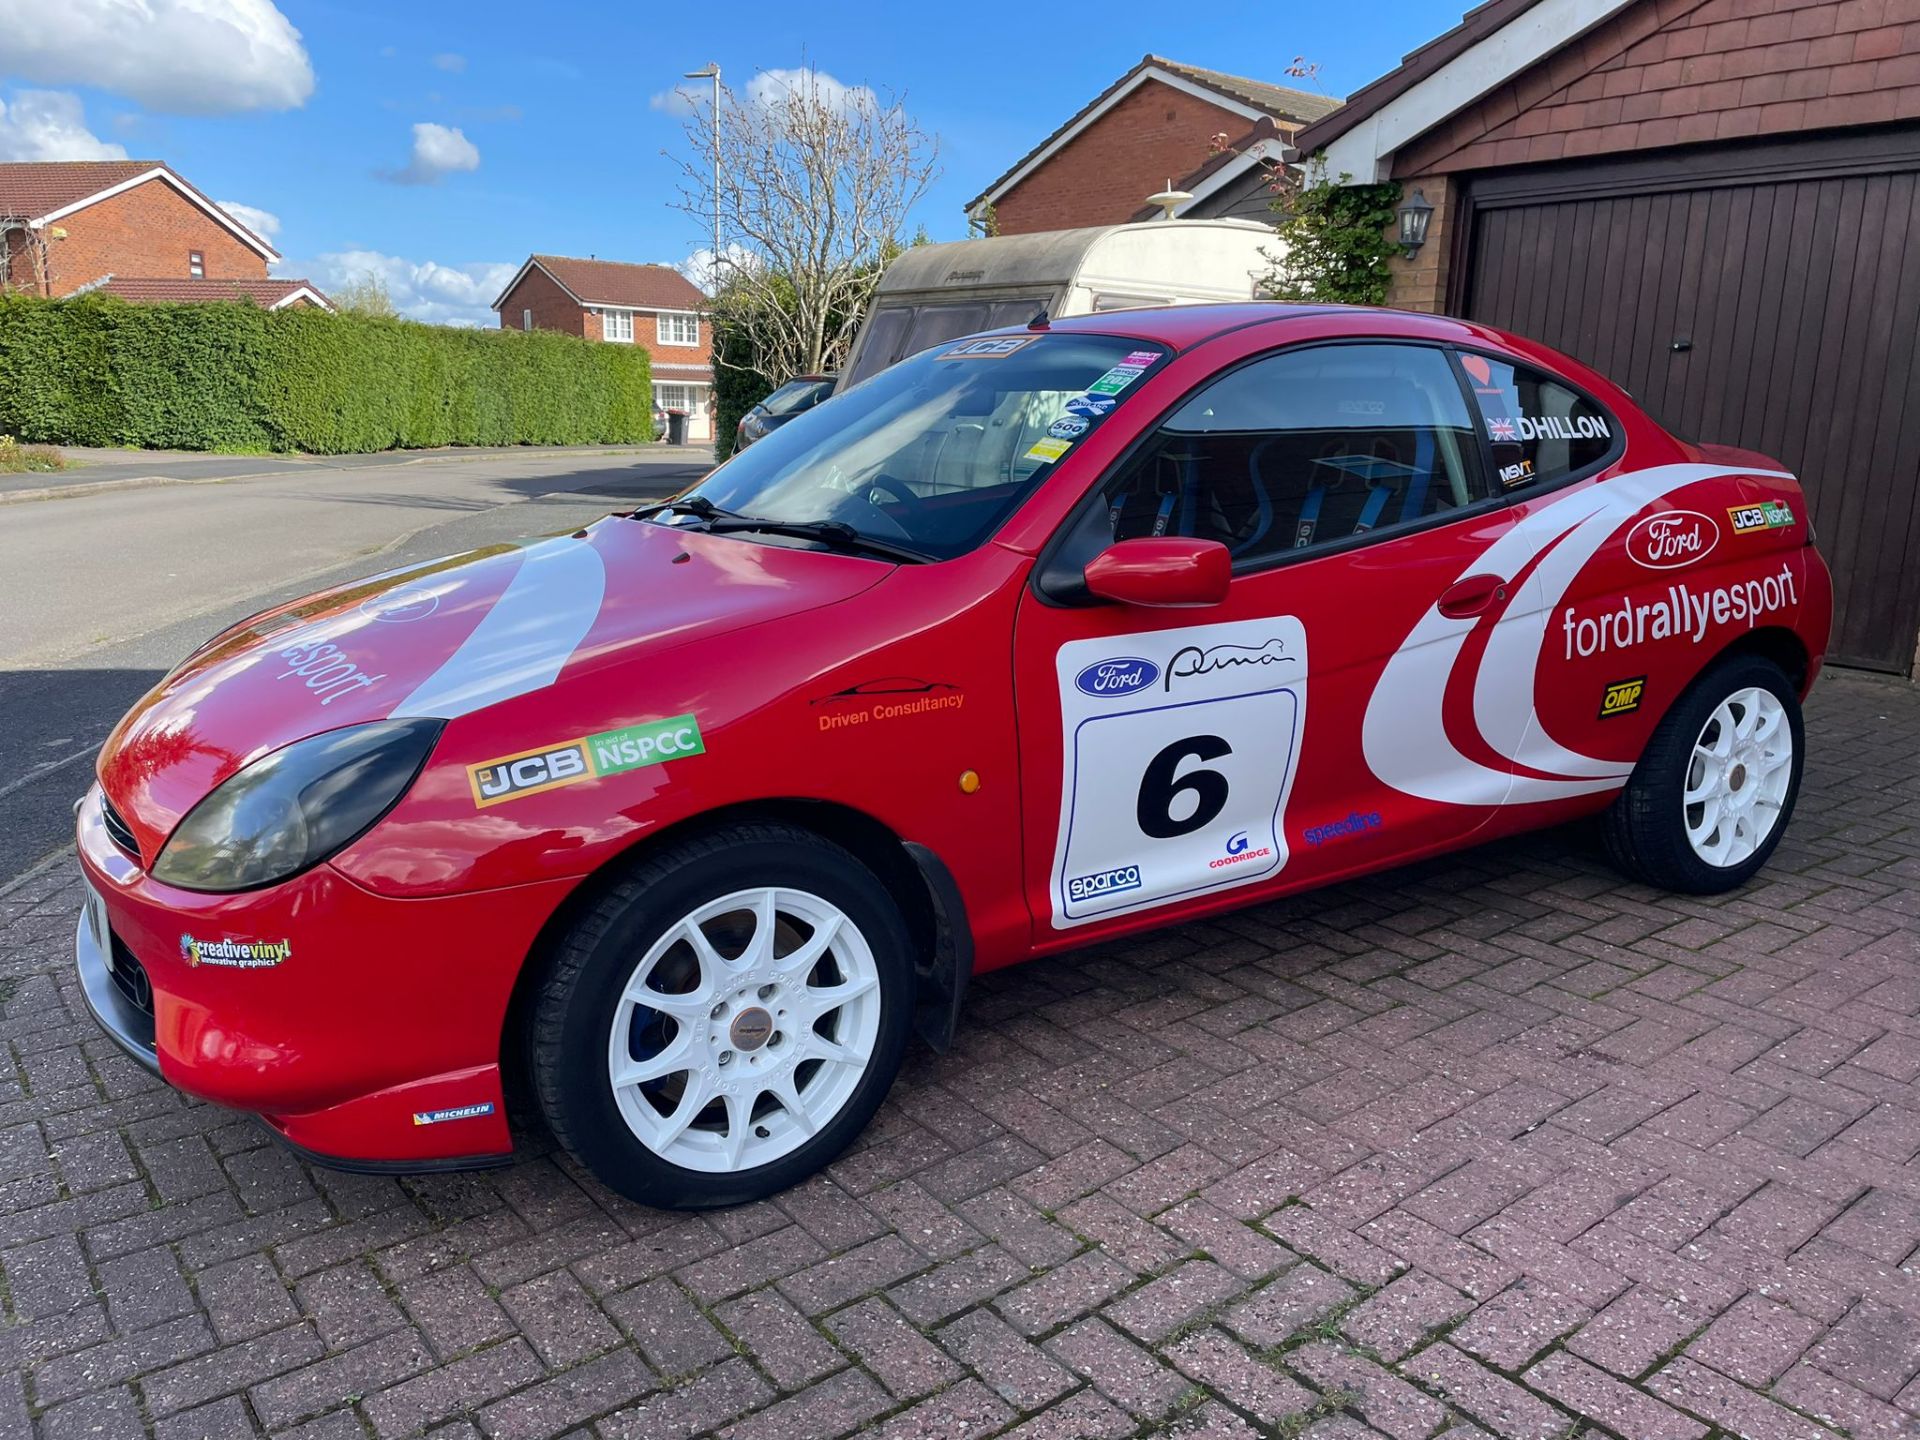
[[1715, 787], [722, 1022]]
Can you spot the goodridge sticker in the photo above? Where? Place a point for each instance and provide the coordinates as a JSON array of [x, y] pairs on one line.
[[570, 761], [1180, 749]]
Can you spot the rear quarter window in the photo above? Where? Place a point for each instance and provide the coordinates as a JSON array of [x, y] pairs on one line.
[[1539, 429]]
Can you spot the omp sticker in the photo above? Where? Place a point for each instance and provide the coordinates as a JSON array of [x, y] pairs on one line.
[[994, 347], [1622, 697], [571, 761], [1767, 515], [1180, 749], [1049, 450]]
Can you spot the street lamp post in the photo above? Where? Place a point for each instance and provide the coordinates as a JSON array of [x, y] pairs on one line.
[[712, 72]]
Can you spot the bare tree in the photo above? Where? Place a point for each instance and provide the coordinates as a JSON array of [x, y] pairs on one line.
[[816, 180]]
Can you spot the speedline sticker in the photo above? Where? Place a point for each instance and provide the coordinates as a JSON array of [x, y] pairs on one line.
[[571, 761]]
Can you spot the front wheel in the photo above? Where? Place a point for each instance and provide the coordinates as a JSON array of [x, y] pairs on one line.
[[1716, 785], [724, 1021]]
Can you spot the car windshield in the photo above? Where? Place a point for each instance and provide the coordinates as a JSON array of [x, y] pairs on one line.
[[796, 395], [932, 454]]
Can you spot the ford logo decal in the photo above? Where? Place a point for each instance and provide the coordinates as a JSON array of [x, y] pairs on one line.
[[1123, 676]]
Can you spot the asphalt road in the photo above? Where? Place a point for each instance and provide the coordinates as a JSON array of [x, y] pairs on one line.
[[101, 592]]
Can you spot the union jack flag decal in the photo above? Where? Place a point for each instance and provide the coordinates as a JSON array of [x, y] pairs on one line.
[[1501, 430]]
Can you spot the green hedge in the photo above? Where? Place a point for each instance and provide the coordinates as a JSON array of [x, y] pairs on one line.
[[231, 376]]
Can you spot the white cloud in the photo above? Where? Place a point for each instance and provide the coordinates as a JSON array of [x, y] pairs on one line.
[[768, 88], [679, 101], [772, 87], [420, 289], [187, 57], [263, 223], [698, 267], [438, 151], [50, 125], [453, 64]]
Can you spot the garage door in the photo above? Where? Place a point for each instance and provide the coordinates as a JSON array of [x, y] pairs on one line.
[[1766, 297]]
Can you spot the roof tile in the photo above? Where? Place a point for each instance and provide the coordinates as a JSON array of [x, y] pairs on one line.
[[183, 289]]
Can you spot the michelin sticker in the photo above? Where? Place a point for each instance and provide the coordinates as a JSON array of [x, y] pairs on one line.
[[1180, 749]]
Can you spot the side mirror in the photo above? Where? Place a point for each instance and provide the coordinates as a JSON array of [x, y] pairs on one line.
[[1170, 571]]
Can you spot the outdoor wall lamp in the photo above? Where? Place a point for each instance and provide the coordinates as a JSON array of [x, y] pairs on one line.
[[1415, 216]]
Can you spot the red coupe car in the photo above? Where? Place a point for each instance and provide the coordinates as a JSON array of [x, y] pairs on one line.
[[1036, 639]]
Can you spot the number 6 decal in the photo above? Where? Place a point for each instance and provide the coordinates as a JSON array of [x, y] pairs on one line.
[[1179, 749], [1158, 788]]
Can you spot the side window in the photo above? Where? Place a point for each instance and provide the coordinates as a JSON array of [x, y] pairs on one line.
[[1540, 430], [1306, 448]]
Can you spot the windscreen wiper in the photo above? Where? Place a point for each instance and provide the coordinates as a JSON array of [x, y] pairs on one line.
[[696, 505], [835, 533]]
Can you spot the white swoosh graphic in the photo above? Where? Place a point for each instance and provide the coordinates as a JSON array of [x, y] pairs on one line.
[[521, 643], [1404, 735]]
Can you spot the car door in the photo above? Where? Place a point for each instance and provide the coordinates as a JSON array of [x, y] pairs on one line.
[[1174, 759]]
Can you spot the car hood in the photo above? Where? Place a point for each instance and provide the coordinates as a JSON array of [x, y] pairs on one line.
[[444, 639]]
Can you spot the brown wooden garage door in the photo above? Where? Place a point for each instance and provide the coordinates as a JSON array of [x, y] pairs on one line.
[[1766, 297]]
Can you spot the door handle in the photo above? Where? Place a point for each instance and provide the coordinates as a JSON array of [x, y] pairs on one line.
[[1468, 597]]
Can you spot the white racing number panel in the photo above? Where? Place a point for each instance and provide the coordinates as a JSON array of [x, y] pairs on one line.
[[1179, 751]]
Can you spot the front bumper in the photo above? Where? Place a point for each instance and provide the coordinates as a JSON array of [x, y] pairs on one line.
[[371, 1039]]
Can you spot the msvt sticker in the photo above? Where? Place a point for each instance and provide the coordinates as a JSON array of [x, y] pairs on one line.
[[608, 753]]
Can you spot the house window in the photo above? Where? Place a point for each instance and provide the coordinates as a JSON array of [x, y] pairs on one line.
[[673, 397], [675, 327], [196, 265], [617, 325], [526, 319]]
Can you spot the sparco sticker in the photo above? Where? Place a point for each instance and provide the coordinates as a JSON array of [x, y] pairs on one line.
[[1180, 749]]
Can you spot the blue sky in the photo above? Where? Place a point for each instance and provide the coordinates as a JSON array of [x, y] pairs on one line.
[[436, 144]]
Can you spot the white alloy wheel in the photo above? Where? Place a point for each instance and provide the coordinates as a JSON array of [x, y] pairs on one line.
[[744, 1030], [1739, 776]]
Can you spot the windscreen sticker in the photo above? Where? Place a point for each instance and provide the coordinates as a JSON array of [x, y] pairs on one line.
[[1141, 358], [1049, 450], [1180, 750], [993, 347], [608, 753], [1068, 427], [1117, 379], [1091, 406]]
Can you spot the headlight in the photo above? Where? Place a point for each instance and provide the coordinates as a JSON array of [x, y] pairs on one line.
[[290, 810]]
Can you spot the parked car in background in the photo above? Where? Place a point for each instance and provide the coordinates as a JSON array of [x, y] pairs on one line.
[[1035, 640], [796, 397]]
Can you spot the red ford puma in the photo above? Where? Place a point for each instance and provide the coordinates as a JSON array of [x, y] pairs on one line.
[[1038, 638]]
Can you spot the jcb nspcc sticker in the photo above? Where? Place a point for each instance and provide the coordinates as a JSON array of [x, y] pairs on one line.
[[570, 761], [1767, 515]]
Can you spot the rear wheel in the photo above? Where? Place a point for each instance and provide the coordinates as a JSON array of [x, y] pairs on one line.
[[724, 1021], [1714, 790]]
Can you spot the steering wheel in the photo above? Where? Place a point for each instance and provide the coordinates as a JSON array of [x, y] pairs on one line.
[[893, 489]]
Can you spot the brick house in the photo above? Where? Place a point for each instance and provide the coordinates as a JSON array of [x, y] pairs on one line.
[[652, 306], [131, 228], [1714, 202], [1155, 123]]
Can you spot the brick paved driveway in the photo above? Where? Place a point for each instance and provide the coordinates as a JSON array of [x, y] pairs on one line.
[[1497, 1144]]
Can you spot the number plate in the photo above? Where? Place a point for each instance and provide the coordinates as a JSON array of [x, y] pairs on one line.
[[1179, 748], [97, 921]]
